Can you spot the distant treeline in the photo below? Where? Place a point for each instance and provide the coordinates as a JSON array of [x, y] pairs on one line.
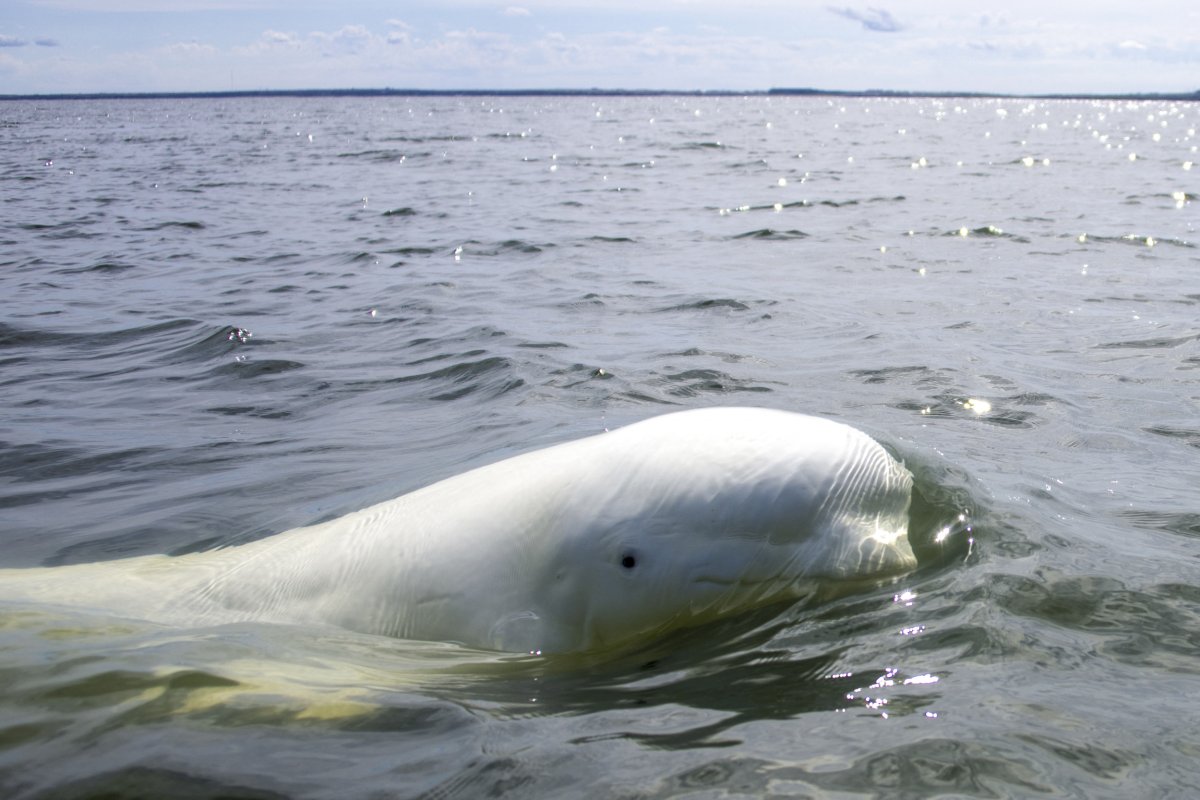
[[1036, 96], [794, 92]]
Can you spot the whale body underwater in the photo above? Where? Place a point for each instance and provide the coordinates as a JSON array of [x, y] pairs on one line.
[[593, 543]]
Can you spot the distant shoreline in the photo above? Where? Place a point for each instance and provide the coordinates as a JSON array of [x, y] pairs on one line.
[[774, 92]]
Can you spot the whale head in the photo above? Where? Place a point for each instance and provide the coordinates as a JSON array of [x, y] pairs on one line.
[[702, 515]]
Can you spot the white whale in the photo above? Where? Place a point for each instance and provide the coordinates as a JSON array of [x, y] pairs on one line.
[[584, 545]]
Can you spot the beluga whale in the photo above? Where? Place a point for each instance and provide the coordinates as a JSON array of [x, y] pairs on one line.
[[587, 545]]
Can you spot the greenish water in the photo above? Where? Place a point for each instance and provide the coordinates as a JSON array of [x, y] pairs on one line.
[[226, 318]]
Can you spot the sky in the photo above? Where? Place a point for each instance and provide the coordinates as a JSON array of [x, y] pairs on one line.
[[1019, 47]]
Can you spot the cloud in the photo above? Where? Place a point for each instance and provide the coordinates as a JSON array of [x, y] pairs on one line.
[[16, 41], [873, 19], [517, 11], [278, 37], [348, 39], [188, 50]]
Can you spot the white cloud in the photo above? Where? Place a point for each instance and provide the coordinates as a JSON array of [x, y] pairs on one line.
[[349, 39], [188, 50], [279, 37], [517, 11], [873, 19]]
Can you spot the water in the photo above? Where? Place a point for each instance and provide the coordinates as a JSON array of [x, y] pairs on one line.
[[226, 318]]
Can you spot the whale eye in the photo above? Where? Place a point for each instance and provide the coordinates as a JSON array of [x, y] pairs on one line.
[[628, 560]]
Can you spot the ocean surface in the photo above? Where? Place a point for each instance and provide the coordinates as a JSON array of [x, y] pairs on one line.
[[224, 318]]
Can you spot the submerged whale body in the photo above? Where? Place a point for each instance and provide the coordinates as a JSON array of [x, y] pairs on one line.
[[589, 544]]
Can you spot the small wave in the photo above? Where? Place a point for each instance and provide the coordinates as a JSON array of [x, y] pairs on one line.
[[210, 342], [889, 374], [30, 463], [696, 352], [1032, 399], [657, 389], [959, 406], [474, 248], [245, 370], [522, 247], [945, 399], [579, 374], [488, 377], [140, 334], [771, 234], [776, 207], [475, 333], [167, 139], [383, 156], [1186, 523], [899, 198], [411, 251], [361, 257], [12, 336], [987, 232], [406, 211], [696, 382], [1131, 625], [1134, 239], [951, 404], [251, 232], [1189, 436], [107, 267], [92, 342], [506, 246], [1153, 343], [187, 224], [708, 305], [699, 146], [70, 229], [589, 300], [259, 412], [429, 138]]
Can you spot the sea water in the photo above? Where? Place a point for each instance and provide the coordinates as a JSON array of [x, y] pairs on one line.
[[223, 318]]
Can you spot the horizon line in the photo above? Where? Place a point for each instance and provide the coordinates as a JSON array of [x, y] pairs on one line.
[[601, 92]]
